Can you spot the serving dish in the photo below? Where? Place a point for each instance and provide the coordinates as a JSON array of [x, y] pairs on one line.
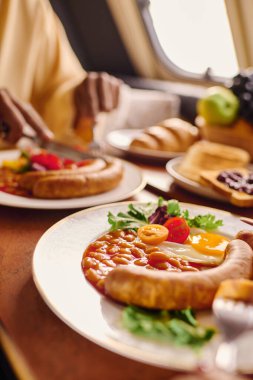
[[59, 278], [131, 183]]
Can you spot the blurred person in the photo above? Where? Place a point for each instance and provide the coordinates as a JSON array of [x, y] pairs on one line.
[[42, 83]]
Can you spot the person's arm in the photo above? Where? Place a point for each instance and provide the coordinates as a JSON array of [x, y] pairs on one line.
[[57, 74], [40, 68], [69, 99]]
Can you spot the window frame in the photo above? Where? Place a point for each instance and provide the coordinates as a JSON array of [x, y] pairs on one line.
[[148, 64], [164, 59]]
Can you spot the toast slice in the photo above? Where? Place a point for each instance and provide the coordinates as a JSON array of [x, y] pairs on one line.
[[204, 155], [236, 197]]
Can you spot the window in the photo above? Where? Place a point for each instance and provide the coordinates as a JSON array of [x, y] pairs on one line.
[[192, 37]]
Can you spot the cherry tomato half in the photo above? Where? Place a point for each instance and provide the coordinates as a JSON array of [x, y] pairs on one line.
[[153, 234], [178, 229]]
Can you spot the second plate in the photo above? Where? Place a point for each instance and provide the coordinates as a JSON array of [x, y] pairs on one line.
[[187, 184]]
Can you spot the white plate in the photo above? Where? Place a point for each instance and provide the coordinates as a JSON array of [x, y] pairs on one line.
[[59, 278], [121, 139], [131, 184], [190, 185]]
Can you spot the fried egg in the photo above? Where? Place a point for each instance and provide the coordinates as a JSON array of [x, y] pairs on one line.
[[203, 248]]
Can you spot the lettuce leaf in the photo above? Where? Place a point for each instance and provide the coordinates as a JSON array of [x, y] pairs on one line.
[[178, 327], [138, 216]]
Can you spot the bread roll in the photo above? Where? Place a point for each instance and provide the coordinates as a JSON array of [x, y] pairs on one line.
[[170, 135], [145, 141], [165, 139], [185, 132]]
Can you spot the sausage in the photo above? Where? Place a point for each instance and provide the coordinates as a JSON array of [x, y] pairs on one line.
[[28, 180], [246, 236], [175, 291], [79, 185]]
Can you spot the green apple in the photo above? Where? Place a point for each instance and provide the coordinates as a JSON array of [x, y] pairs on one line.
[[219, 106]]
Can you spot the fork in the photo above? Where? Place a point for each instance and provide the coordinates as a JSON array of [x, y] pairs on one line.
[[95, 148], [233, 318]]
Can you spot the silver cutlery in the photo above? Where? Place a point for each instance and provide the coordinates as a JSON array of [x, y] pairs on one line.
[[233, 319], [93, 150]]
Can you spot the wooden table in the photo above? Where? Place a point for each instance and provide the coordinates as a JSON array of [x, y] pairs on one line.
[[50, 349]]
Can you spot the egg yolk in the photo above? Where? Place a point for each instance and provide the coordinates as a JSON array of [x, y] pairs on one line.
[[208, 243]]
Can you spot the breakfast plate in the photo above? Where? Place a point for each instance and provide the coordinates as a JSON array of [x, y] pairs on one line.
[[59, 278], [190, 185], [121, 139], [132, 183]]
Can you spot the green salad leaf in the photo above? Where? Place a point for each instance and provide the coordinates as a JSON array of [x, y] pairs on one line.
[[135, 217], [138, 216], [173, 208], [160, 202], [179, 327], [207, 222]]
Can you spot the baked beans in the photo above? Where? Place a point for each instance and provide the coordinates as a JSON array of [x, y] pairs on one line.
[[122, 247]]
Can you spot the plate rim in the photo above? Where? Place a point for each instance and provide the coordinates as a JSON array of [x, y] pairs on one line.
[[110, 344], [62, 203]]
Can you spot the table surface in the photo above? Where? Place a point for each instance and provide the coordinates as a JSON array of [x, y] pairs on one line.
[[50, 349]]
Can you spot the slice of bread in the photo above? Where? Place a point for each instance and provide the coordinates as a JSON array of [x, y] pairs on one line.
[[237, 198], [204, 155], [238, 134]]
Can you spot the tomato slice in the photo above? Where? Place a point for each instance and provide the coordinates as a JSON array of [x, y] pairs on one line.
[[48, 160], [153, 234], [67, 162], [178, 229], [86, 162]]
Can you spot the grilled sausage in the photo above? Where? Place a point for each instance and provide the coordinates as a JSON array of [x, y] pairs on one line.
[[165, 290], [28, 180], [79, 185], [246, 236]]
